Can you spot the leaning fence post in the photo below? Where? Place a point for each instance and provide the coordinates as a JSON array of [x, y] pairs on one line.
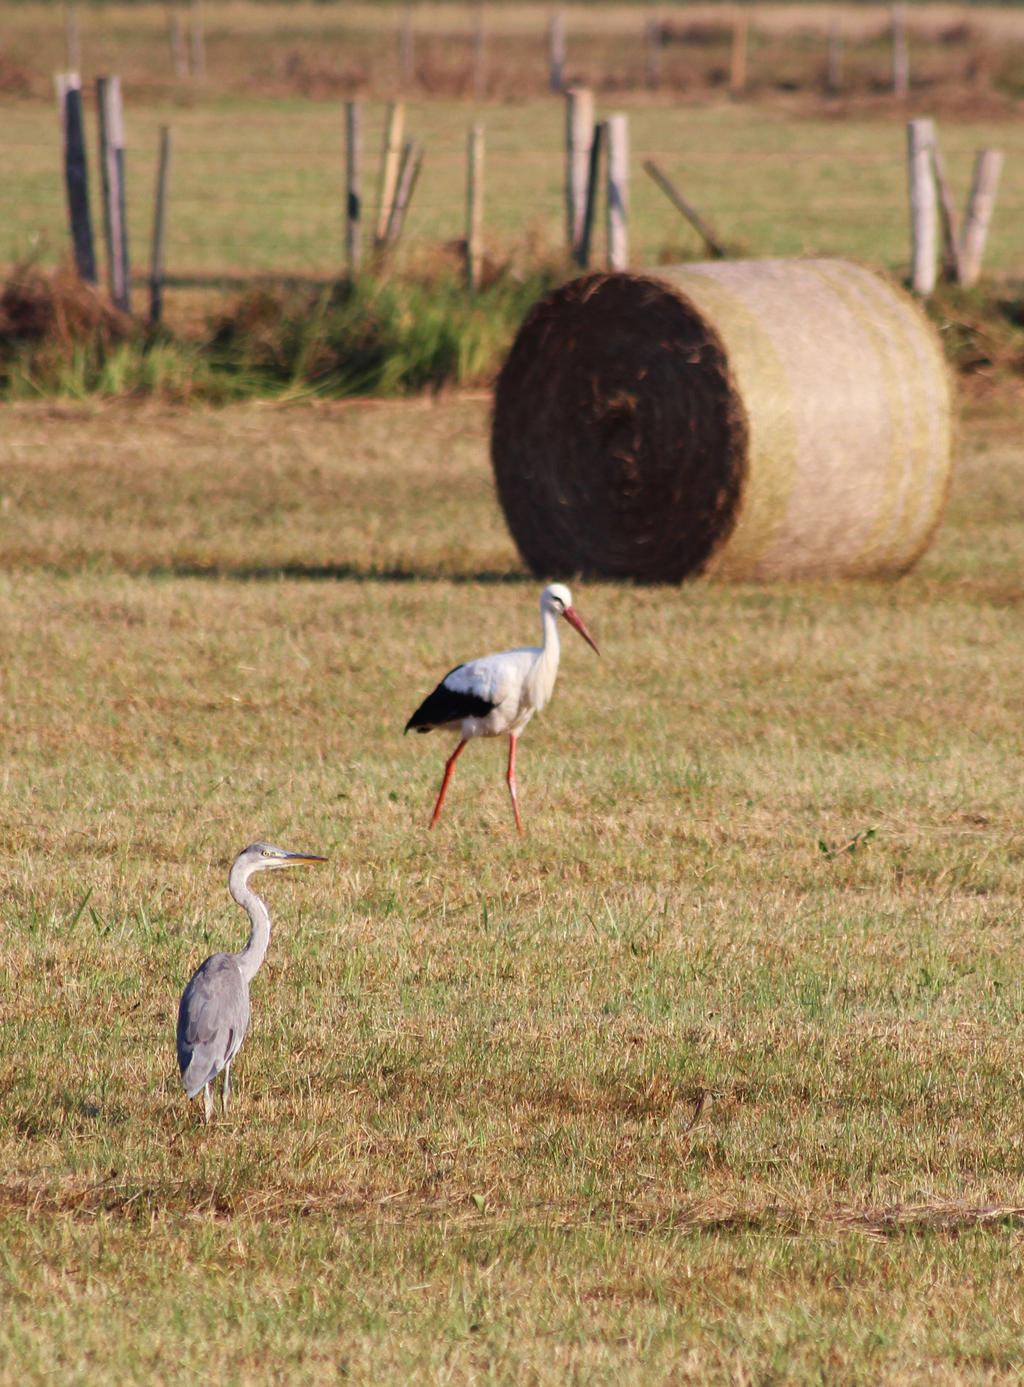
[[391, 153], [353, 203], [409, 171], [156, 275], [923, 249], [951, 263], [108, 99], [618, 191], [980, 206], [579, 136], [475, 207], [76, 173]]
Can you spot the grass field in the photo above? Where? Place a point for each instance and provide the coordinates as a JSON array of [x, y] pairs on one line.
[[714, 1076]]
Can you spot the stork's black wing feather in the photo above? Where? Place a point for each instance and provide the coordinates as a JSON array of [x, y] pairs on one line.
[[447, 705]]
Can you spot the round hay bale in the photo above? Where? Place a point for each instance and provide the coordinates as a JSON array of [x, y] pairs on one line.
[[758, 419]]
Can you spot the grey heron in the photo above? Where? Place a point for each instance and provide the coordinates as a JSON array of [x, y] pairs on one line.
[[213, 1015], [497, 695]]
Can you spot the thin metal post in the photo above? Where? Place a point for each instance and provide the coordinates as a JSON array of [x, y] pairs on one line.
[[156, 274], [353, 181]]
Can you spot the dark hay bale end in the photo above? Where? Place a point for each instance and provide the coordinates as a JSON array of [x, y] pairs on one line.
[[761, 419]]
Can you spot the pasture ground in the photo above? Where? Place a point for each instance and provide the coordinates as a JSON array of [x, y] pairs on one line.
[[715, 1076]]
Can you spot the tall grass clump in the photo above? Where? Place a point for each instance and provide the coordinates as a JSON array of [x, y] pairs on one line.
[[380, 336]]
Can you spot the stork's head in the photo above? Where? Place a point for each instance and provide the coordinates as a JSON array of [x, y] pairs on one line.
[[557, 598]]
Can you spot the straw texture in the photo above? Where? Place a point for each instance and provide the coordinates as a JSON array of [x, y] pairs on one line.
[[756, 419]]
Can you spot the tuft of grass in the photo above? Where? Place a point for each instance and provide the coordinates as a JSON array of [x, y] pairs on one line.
[[378, 335]]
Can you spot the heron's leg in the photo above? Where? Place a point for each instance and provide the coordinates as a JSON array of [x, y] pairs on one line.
[[207, 1102], [511, 778], [226, 1091], [449, 766]]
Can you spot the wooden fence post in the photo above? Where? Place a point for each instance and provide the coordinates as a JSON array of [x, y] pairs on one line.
[[353, 204], [618, 191], [475, 207], [108, 99], [409, 171], [923, 256], [951, 265], [76, 173], [579, 136], [198, 40], [980, 206], [900, 56], [582, 256], [156, 274], [556, 50], [391, 153]]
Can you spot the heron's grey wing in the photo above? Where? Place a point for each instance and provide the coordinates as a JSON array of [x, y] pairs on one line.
[[212, 1020]]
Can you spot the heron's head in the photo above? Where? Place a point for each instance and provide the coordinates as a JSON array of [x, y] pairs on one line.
[[259, 857], [557, 598]]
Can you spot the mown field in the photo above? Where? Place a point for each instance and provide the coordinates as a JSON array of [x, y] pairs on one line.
[[715, 1075]]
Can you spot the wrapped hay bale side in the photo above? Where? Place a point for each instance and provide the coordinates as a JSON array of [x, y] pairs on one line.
[[757, 419]]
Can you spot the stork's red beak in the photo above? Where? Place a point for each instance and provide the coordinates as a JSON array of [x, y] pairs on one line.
[[574, 619]]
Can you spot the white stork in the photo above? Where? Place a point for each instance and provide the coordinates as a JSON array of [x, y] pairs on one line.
[[497, 695]]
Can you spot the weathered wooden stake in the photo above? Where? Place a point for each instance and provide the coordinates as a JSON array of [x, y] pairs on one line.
[[738, 66], [618, 191], [353, 184], [987, 167], [579, 136], [582, 256], [923, 256], [475, 207], [111, 114], [556, 50], [408, 173], [900, 56], [156, 272], [951, 267], [391, 154], [198, 40], [711, 241], [76, 173]]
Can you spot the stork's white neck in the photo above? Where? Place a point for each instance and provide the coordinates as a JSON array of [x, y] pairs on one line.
[[250, 959], [545, 669]]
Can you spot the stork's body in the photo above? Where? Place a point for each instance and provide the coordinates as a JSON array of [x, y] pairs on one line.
[[213, 1015], [497, 695]]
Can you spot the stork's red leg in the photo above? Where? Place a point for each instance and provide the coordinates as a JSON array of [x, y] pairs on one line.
[[449, 766], [511, 778]]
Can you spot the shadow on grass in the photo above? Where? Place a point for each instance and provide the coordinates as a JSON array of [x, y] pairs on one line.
[[339, 572]]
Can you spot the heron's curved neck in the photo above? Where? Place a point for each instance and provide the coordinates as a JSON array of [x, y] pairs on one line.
[[251, 957]]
